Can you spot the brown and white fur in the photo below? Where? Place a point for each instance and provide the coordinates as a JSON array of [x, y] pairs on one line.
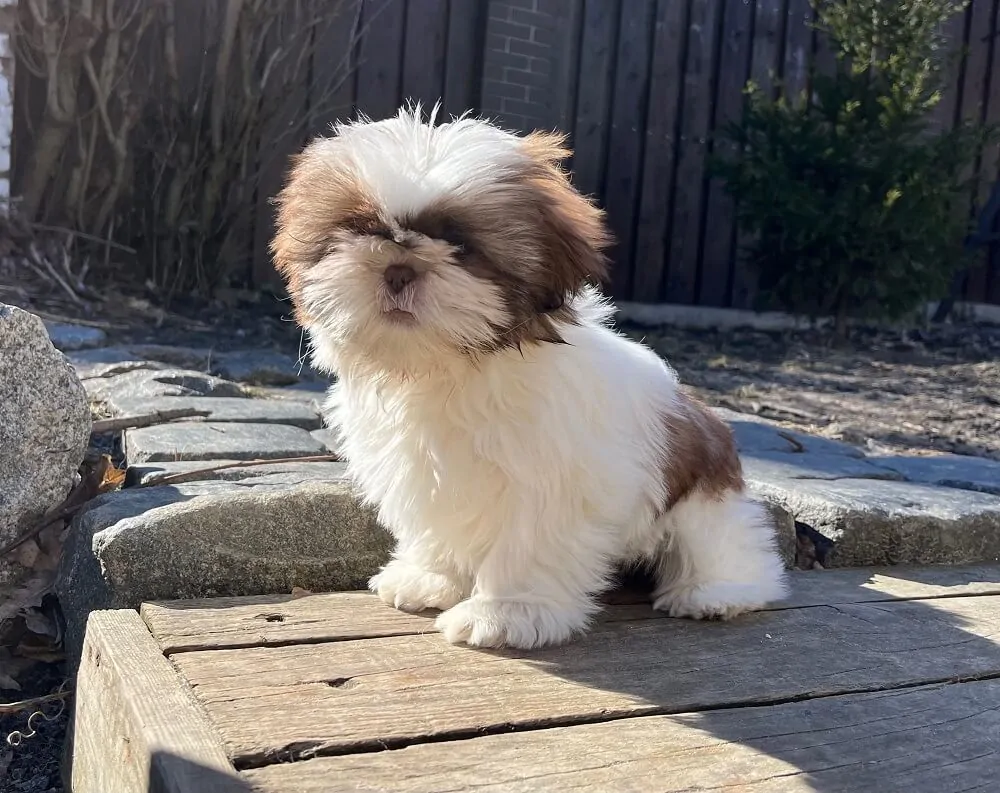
[[516, 446]]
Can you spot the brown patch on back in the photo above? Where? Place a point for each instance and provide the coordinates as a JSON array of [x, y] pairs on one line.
[[700, 454], [316, 204]]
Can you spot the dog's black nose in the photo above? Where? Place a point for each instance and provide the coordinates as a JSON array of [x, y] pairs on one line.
[[397, 276]]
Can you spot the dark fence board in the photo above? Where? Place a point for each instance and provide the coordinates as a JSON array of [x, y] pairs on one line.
[[733, 67], [628, 121], [380, 58], [425, 44], [682, 270], [720, 236], [659, 172], [974, 105], [463, 56], [598, 40], [334, 68]]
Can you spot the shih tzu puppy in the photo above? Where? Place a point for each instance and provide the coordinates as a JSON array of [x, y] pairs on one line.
[[517, 447]]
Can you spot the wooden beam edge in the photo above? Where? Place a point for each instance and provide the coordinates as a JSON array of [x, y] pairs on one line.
[[137, 727]]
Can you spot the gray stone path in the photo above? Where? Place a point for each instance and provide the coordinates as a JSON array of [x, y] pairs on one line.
[[249, 530]]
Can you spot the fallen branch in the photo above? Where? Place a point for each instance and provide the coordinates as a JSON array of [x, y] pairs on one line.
[[192, 476], [102, 426], [30, 704], [95, 481]]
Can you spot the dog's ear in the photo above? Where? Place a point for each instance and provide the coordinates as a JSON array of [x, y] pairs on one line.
[[575, 234], [319, 198]]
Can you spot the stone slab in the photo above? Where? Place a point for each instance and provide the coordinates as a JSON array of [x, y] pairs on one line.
[[776, 466], [259, 367], [877, 522], [216, 538], [151, 473], [218, 441], [44, 428], [758, 435], [225, 409], [328, 438], [947, 470], [148, 384], [67, 337]]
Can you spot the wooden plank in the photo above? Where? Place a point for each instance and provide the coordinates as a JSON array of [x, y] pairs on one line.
[[943, 114], [350, 696], [424, 47], [334, 64], [688, 220], [625, 143], [282, 135], [463, 66], [764, 63], [940, 739], [975, 94], [597, 68], [380, 53], [798, 48], [660, 156], [274, 620], [136, 730], [720, 234]]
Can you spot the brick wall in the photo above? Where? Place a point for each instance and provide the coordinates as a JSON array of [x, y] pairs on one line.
[[526, 62]]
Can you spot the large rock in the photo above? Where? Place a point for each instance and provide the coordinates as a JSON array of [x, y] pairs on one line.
[[44, 426], [877, 522], [266, 533]]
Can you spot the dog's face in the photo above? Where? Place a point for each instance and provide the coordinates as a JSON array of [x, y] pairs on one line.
[[404, 241]]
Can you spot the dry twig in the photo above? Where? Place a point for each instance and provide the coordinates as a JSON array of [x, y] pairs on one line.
[[191, 476], [102, 426], [33, 702]]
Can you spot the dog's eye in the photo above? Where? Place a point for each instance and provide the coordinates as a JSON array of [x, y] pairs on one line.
[[369, 227]]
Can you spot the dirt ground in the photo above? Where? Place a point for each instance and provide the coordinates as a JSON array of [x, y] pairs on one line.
[[920, 391]]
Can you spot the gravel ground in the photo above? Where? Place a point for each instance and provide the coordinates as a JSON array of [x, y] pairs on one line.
[[915, 392], [34, 765]]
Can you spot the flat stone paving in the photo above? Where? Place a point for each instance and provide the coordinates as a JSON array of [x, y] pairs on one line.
[[876, 509]]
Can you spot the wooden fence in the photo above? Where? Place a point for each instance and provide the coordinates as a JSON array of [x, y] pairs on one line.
[[641, 86], [658, 80]]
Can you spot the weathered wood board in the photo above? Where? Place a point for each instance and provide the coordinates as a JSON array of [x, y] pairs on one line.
[[819, 745], [862, 681], [216, 623]]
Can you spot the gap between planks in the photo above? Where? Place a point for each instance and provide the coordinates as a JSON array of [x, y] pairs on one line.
[[282, 620], [850, 742]]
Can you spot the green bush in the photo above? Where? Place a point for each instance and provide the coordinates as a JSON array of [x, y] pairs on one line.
[[855, 205]]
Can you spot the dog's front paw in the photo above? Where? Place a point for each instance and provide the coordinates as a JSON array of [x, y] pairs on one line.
[[410, 587], [485, 622]]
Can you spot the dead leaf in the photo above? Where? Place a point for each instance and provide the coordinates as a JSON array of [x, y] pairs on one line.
[[112, 477]]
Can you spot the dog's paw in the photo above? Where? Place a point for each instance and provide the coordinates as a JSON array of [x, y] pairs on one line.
[[721, 600], [409, 587], [485, 622]]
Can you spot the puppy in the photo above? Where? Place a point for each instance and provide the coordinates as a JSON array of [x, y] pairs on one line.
[[515, 445]]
